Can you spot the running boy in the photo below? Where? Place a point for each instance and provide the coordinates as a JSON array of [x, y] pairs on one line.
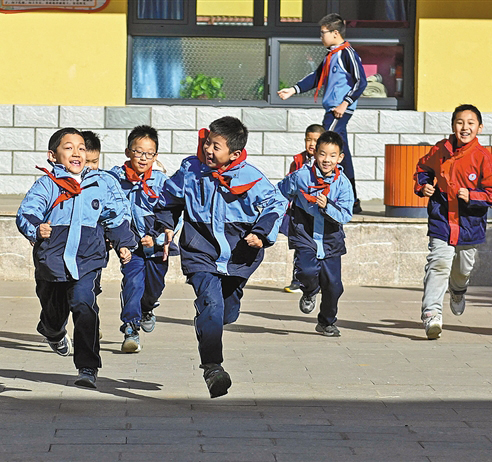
[[343, 76], [322, 201], [143, 277], [231, 213], [306, 157], [456, 176], [65, 215]]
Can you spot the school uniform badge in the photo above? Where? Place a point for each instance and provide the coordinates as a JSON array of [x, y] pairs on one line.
[[472, 176], [95, 204]]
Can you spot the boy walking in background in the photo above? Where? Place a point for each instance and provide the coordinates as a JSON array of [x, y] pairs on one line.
[[231, 213], [456, 176], [143, 277], [65, 215], [306, 157], [344, 81], [322, 201]]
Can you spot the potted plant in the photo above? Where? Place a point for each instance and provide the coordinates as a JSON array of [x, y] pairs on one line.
[[202, 87]]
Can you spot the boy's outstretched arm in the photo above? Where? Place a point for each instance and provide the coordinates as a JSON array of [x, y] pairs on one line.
[[307, 83]]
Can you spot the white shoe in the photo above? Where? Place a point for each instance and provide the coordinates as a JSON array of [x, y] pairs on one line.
[[433, 326], [456, 303]]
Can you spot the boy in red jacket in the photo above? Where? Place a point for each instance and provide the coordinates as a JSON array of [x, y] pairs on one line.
[[456, 176]]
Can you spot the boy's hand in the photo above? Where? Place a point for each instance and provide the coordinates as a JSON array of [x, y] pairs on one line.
[[286, 93], [45, 230], [147, 241], [322, 201], [254, 241], [125, 255], [428, 190], [169, 237], [340, 110], [464, 194]]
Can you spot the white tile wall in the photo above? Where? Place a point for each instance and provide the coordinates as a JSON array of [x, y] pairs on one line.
[[276, 134]]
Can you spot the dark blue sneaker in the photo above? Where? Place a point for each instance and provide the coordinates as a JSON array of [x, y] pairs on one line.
[[147, 323], [87, 377]]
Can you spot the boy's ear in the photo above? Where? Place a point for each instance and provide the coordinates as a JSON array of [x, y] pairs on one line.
[[480, 129], [51, 156], [127, 153], [235, 155], [342, 155]]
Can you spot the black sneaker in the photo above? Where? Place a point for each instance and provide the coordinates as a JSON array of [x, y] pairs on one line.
[[330, 330], [357, 208], [217, 379], [307, 304], [86, 378], [147, 323], [63, 347]]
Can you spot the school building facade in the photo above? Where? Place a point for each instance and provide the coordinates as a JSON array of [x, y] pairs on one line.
[[124, 65]]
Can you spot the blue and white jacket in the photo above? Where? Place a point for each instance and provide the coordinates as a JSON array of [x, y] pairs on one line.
[[142, 209], [216, 221], [312, 226], [346, 80], [77, 242]]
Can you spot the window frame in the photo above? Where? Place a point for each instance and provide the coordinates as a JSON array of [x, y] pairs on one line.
[[274, 33]]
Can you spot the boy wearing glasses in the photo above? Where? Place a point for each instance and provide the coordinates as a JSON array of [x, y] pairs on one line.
[[344, 81], [143, 281]]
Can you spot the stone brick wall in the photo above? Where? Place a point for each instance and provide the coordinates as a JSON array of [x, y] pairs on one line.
[[276, 134]]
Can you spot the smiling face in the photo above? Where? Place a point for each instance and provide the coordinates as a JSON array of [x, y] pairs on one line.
[[70, 153], [466, 127], [311, 140], [142, 162], [217, 153], [327, 157]]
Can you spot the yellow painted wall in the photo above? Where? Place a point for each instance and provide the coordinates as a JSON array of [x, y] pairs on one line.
[[56, 58], [451, 71]]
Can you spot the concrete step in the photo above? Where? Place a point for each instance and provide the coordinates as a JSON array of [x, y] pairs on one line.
[[381, 251]]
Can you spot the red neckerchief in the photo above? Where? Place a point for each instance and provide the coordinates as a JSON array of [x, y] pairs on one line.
[[326, 67], [132, 175], [69, 186], [321, 185], [224, 181]]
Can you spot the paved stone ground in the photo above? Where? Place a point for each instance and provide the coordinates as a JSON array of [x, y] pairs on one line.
[[381, 392]]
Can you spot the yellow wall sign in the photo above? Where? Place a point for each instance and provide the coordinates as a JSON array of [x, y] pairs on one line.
[[15, 6]]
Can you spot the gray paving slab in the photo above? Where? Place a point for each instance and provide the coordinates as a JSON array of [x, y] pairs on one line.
[[380, 392]]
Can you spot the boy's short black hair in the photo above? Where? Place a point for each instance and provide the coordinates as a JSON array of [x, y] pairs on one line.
[[92, 141], [333, 21], [466, 107], [330, 138], [233, 130], [56, 138], [143, 131], [315, 128]]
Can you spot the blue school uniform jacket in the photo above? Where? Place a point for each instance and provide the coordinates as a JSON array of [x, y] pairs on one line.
[[311, 226], [76, 245], [346, 80], [216, 221], [142, 209]]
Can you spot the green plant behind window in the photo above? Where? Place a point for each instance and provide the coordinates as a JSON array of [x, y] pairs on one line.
[[202, 86]]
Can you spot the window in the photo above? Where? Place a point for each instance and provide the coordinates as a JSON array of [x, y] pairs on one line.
[[242, 52]]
